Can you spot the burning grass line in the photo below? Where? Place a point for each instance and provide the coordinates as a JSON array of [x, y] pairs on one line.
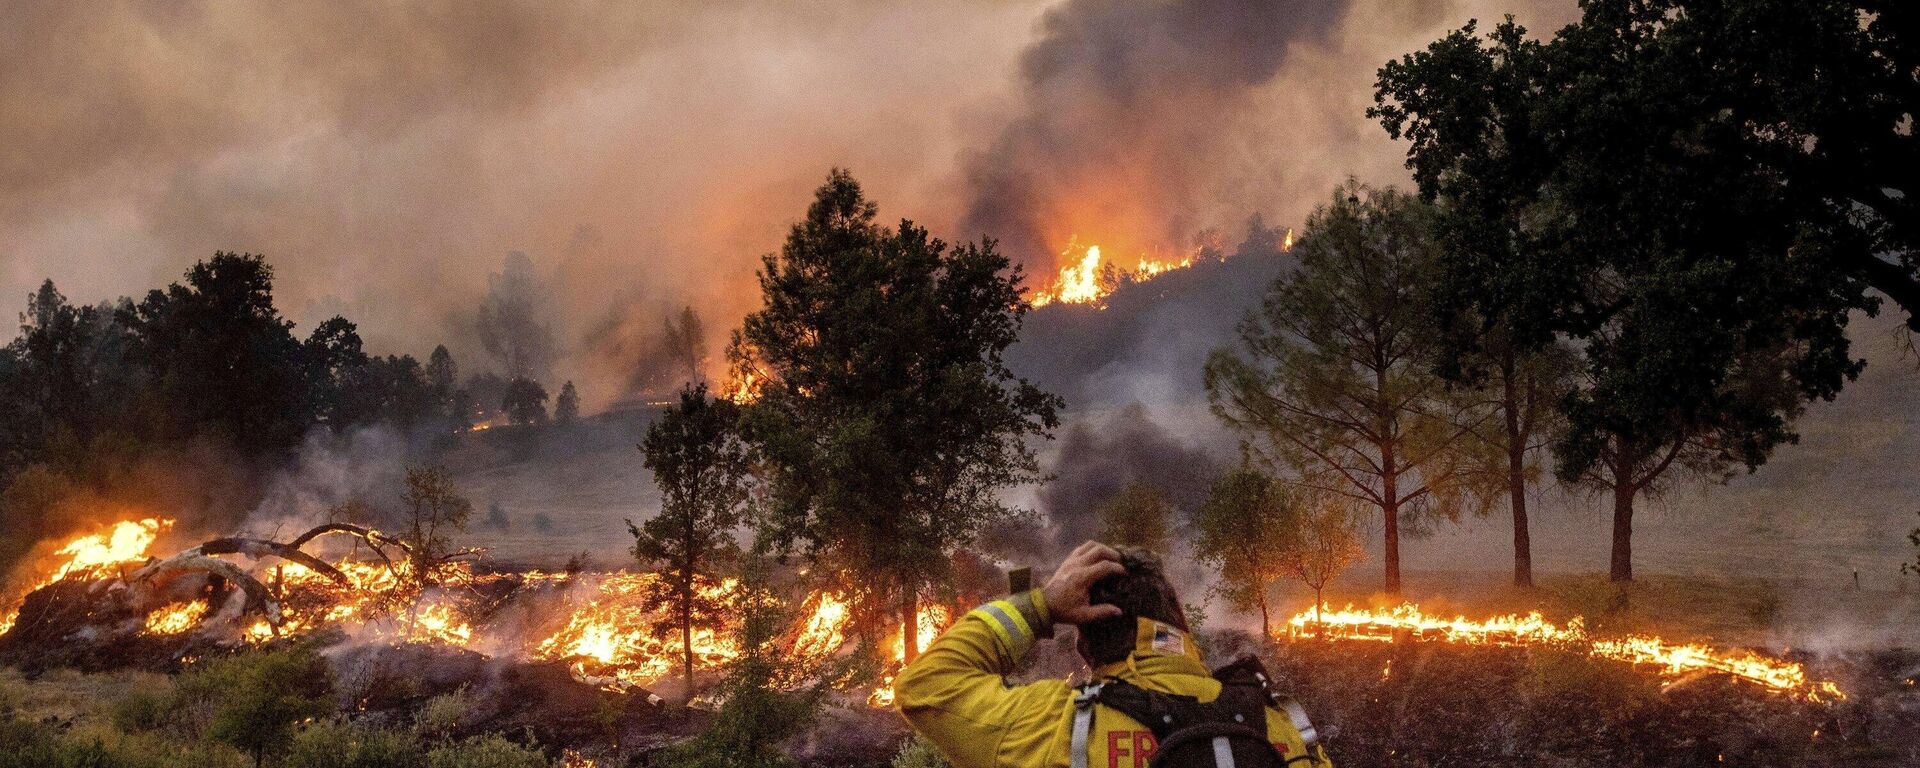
[[1671, 660]]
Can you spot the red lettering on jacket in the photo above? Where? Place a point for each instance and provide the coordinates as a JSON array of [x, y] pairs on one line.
[[1144, 746], [1138, 745]]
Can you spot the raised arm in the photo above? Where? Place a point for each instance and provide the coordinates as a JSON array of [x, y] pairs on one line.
[[956, 695]]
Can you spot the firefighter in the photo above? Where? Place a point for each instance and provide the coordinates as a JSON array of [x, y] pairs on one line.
[[1133, 635]]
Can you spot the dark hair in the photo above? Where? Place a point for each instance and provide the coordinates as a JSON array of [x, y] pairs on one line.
[[1143, 591]]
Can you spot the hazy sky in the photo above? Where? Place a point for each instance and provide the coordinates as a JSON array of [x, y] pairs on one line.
[[386, 156]]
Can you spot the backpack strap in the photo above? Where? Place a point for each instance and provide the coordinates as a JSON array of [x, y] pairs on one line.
[[1248, 670], [1083, 702]]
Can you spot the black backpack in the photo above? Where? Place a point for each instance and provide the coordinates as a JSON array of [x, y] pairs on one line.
[[1228, 732]]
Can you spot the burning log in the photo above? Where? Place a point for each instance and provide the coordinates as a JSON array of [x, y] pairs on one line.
[[148, 587], [260, 549], [372, 537]]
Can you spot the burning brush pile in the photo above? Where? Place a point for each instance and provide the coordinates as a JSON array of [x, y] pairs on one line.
[[103, 601]]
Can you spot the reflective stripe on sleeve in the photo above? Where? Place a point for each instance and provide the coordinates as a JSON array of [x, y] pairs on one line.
[[1006, 623]]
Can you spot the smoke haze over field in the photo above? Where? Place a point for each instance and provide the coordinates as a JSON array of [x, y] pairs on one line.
[[387, 157]]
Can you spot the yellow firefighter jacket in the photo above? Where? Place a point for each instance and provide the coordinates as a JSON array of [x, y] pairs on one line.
[[956, 697]]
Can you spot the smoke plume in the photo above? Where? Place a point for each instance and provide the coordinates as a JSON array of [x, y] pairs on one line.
[[1131, 117]]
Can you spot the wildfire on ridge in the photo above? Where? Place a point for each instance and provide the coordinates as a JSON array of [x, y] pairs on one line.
[[1088, 277], [1533, 629]]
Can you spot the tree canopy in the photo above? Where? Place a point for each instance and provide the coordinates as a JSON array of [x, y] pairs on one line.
[[1333, 378], [700, 465], [887, 419], [1661, 184], [1247, 524]]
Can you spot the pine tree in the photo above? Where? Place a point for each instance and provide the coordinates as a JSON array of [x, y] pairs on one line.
[[566, 408], [699, 463], [1335, 376], [887, 419]]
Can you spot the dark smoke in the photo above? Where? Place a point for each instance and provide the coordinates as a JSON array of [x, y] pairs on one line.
[[1098, 459], [1130, 117]]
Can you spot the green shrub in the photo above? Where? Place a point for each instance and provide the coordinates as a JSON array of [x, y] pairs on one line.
[[141, 711], [28, 744], [442, 715], [254, 701], [489, 751], [917, 753], [333, 744]]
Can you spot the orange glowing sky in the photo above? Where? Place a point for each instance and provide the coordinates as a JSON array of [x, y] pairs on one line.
[[386, 156]]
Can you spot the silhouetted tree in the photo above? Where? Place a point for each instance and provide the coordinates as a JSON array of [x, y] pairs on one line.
[[685, 340], [443, 377], [887, 419], [566, 408], [484, 392], [219, 357], [1661, 185], [55, 371], [699, 463], [510, 319], [1323, 544], [433, 509], [497, 517], [336, 371], [524, 402], [1525, 388]]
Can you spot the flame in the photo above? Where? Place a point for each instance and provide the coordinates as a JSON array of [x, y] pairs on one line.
[[1673, 660], [1087, 280], [744, 389], [825, 629], [608, 639], [1078, 283], [1287, 244], [177, 618], [610, 642], [92, 555], [929, 623], [437, 623]]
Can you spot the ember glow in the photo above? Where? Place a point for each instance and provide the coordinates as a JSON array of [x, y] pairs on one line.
[[177, 618], [1407, 621], [86, 556]]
